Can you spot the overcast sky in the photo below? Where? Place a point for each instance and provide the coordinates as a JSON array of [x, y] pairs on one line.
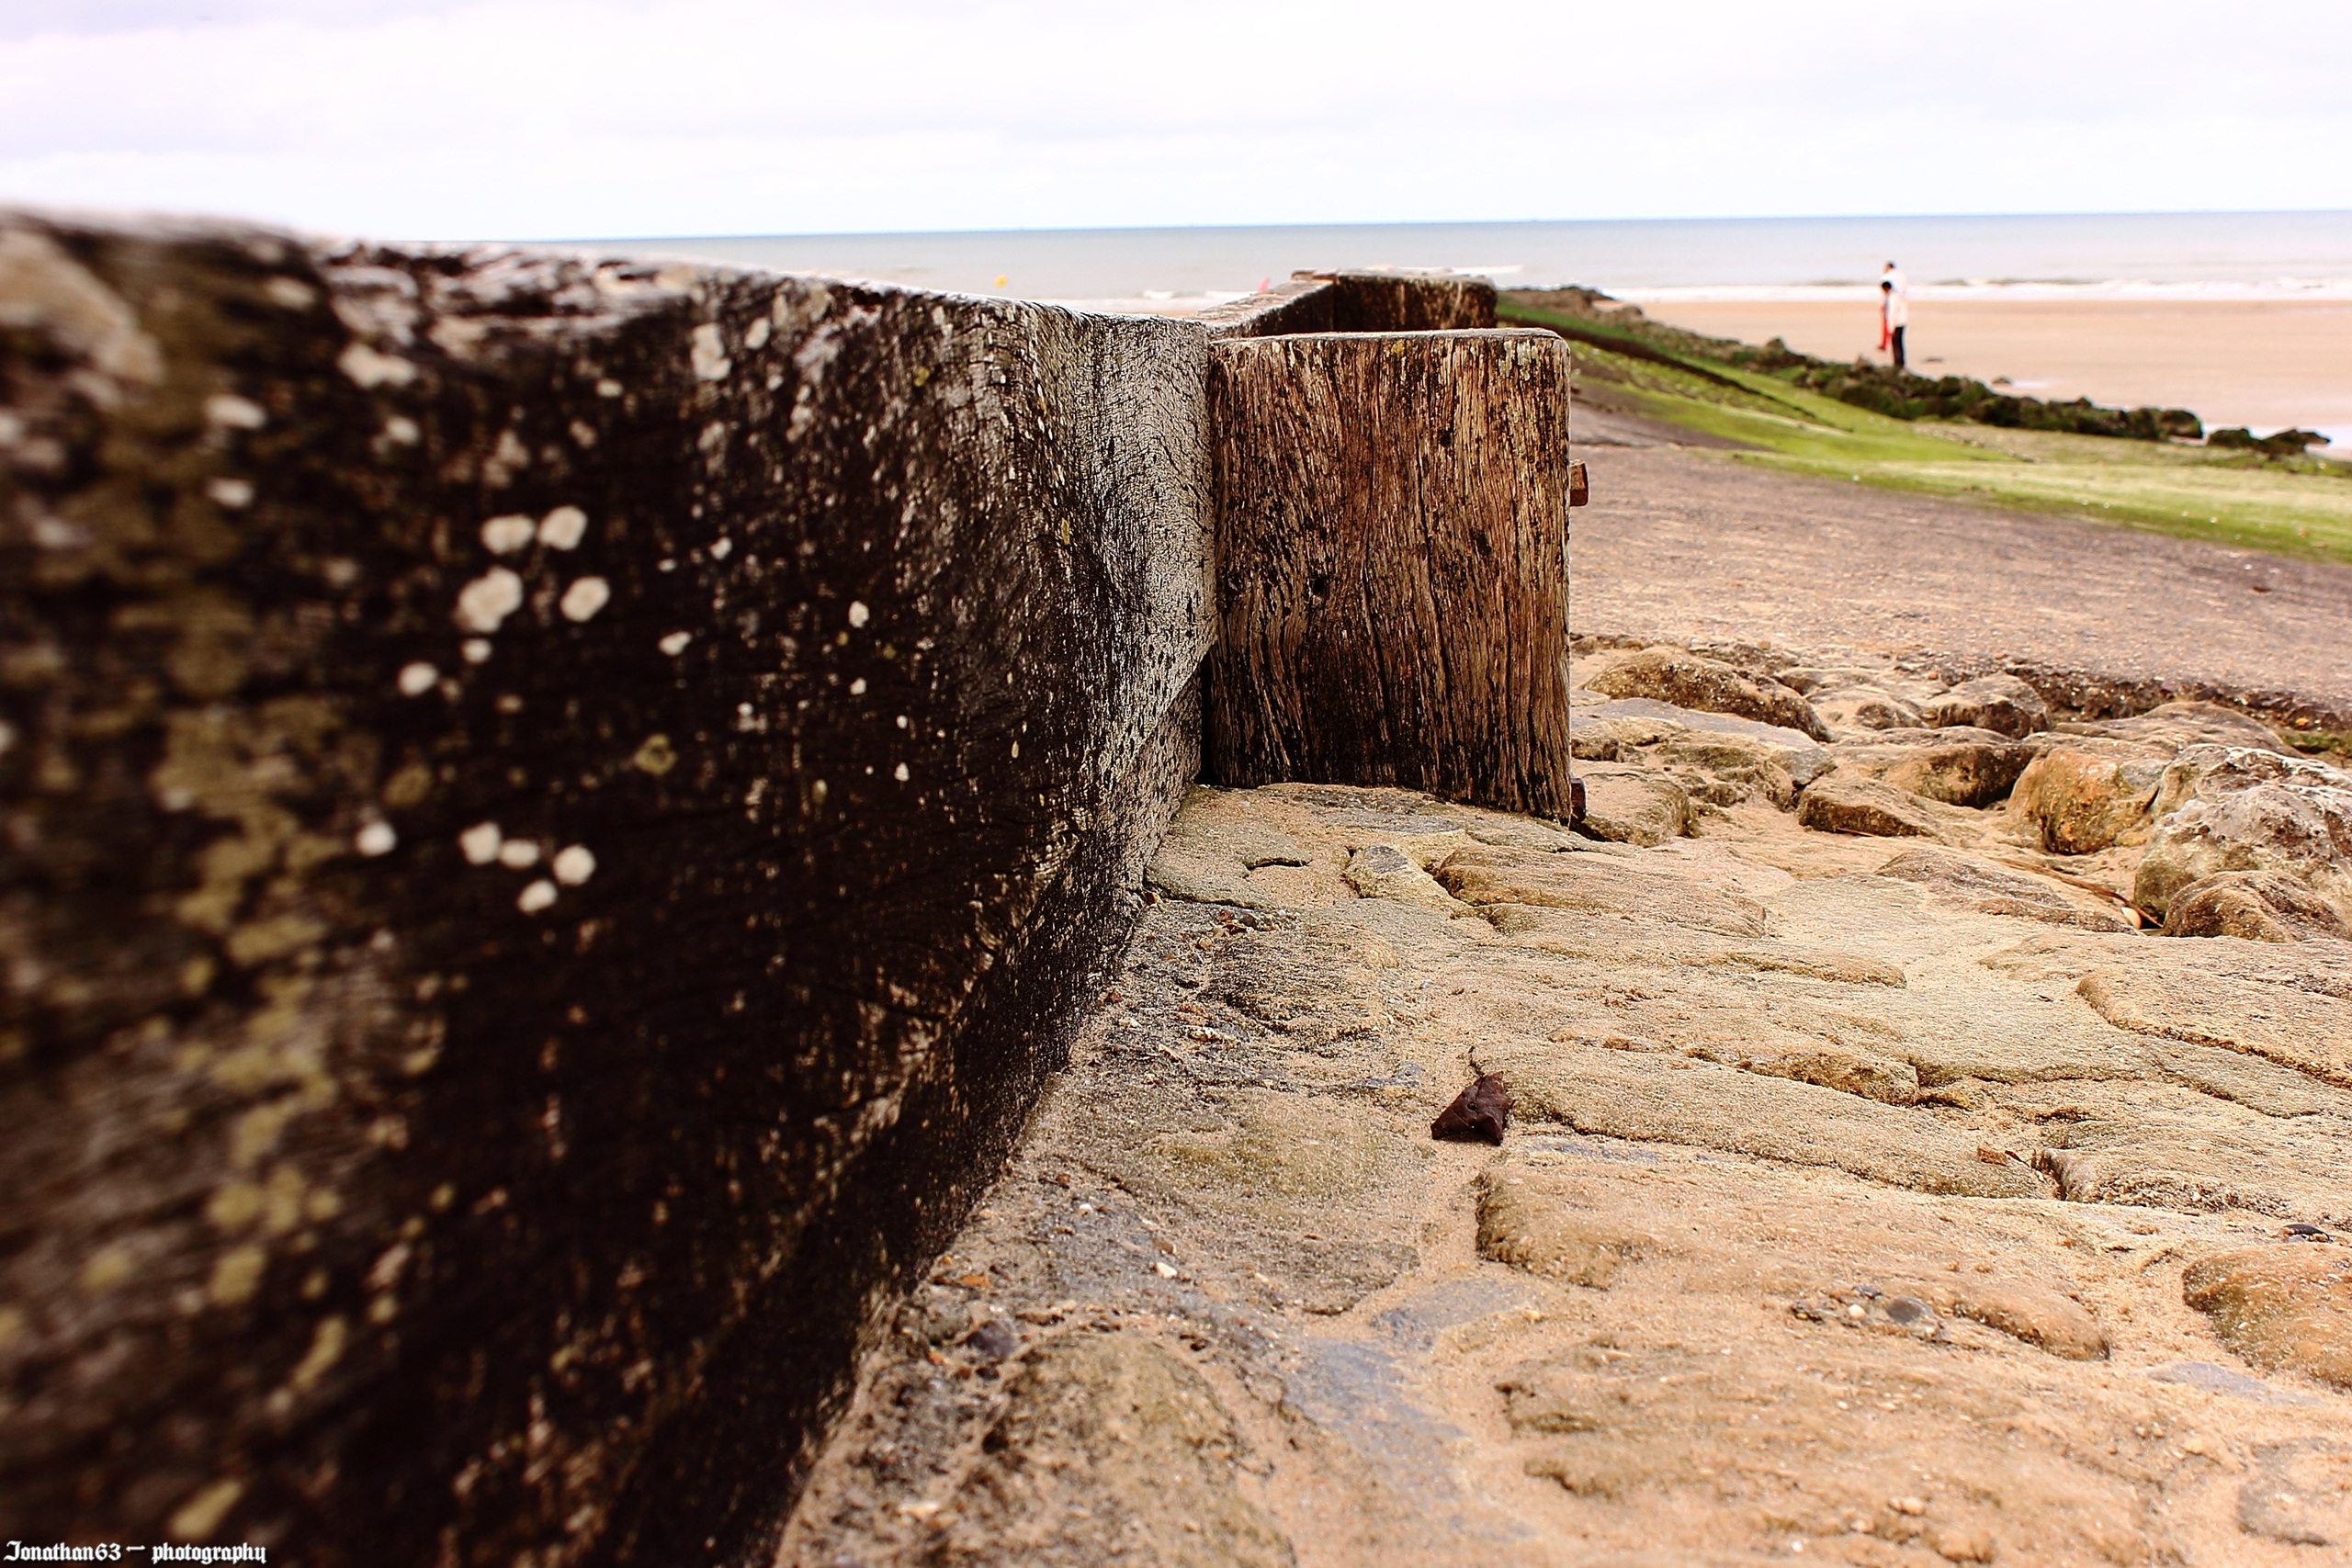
[[550, 119]]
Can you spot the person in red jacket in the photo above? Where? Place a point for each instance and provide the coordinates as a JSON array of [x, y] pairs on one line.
[[1893, 312]]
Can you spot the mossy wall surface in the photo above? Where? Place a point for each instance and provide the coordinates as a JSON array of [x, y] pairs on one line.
[[551, 816]]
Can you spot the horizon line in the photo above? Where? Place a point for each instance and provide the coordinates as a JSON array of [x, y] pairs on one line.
[[1422, 224]]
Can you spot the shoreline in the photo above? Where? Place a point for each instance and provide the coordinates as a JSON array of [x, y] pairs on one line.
[[2264, 364]]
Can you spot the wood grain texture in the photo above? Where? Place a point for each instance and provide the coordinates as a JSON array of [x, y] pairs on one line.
[[1392, 539]]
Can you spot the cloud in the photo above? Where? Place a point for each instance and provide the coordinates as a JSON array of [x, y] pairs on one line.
[[531, 119]]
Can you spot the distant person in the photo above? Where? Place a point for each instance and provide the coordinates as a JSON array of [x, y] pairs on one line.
[[1895, 311]]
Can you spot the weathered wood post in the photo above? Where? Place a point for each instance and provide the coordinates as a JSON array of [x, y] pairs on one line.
[[1392, 536]]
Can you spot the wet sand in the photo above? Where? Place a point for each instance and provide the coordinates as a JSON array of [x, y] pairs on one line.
[[2259, 363]]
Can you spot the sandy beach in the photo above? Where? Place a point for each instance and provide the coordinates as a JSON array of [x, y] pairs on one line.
[[2263, 363]]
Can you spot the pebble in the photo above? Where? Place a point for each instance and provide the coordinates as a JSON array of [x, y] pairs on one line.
[[992, 1341]]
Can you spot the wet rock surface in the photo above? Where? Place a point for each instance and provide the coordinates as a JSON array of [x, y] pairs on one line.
[[1882, 1202]]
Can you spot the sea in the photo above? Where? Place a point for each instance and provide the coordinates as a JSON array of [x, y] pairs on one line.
[[2189, 255]]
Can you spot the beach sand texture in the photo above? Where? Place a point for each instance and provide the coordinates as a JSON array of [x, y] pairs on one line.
[[2261, 363]]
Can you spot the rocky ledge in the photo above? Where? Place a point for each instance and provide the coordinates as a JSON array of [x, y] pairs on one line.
[[1881, 1184]]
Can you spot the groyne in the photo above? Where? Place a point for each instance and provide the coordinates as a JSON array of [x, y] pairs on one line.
[[558, 813]]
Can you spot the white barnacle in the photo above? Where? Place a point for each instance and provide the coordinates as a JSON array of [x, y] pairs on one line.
[[708, 353], [675, 643], [375, 838], [516, 854], [722, 549], [234, 412], [479, 844], [899, 773], [234, 494], [858, 614], [371, 369], [608, 388], [574, 865], [401, 431], [489, 599], [858, 687], [504, 536], [584, 598], [536, 897], [757, 335], [417, 678], [476, 650], [563, 528]]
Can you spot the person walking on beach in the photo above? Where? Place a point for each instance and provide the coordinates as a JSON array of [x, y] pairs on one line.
[[1894, 311]]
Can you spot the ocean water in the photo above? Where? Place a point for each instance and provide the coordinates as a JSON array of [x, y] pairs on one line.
[[2190, 255]]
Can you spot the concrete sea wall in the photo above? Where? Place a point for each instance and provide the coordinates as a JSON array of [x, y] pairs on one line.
[[553, 815]]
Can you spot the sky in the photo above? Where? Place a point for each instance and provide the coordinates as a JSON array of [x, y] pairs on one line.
[[612, 118]]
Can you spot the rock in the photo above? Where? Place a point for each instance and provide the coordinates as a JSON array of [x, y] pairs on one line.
[[2175, 726], [1973, 768], [1423, 840], [2304, 1026], [2244, 809], [2040, 1317], [1104, 1442], [1493, 878], [2082, 800], [1744, 765], [1531, 1219], [1482, 1110], [1862, 1073], [1383, 870], [1866, 707], [1602, 1092], [1687, 679], [1962, 1543], [2282, 1307], [1995, 890], [1634, 807], [1841, 804], [2298, 1493], [1317, 983], [2258, 906], [1680, 1170], [1521, 833], [2002, 703], [1638, 722], [993, 1341], [1198, 883], [1209, 850]]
